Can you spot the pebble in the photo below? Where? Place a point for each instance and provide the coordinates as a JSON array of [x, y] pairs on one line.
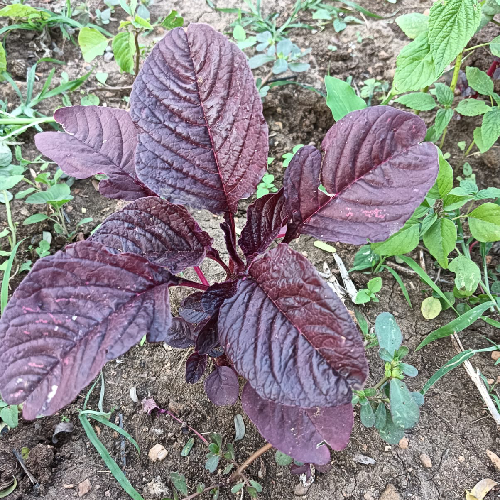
[[494, 458], [403, 444], [426, 460], [461, 458], [300, 490], [390, 493], [157, 453], [84, 487], [495, 355], [363, 459], [368, 496], [108, 56]]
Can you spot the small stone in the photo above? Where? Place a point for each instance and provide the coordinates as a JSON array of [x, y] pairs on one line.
[[403, 444], [388, 447], [368, 496], [68, 486], [157, 453], [363, 459], [426, 460], [495, 355], [461, 458], [107, 493], [390, 493], [490, 381], [300, 490], [84, 210], [108, 56], [84, 487]]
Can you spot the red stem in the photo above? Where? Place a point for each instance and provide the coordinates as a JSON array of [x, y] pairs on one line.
[[492, 68], [472, 245], [168, 412], [191, 284], [200, 274]]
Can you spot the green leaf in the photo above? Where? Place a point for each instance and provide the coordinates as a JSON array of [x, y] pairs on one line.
[[443, 118], [33, 219], [490, 192], [7, 183], [444, 181], [298, 67], [5, 152], [415, 67], [173, 21], [457, 325], [479, 80], [341, 98], [472, 107], [101, 77], [124, 51], [452, 202], [404, 241], [409, 370], [259, 60], [3, 61], [391, 433], [19, 11], [239, 427], [179, 482], [444, 94], [56, 193], [142, 23], [237, 487], [10, 415], [388, 332], [239, 33], [187, 448], [404, 409], [362, 297], [440, 240], [380, 416], [495, 46], [25, 192], [324, 246], [367, 416], [92, 42], [413, 24], [417, 101], [212, 463], [431, 307], [484, 222], [6, 492], [90, 100], [375, 285], [490, 130], [282, 459], [467, 274], [256, 485], [451, 25]]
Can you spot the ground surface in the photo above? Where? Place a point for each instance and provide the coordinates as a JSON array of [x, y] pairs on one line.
[[454, 431]]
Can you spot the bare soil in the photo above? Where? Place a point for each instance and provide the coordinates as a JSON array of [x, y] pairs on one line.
[[455, 430]]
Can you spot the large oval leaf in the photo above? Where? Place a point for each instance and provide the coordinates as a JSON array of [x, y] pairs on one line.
[[296, 431], [376, 171], [164, 233], [98, 141], [75, 311], [290, 336], [203, 139], [222, 386]]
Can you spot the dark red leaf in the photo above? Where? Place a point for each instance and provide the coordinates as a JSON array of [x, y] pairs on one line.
[[290, 336], [265, 218], [222, 386], [203, 139], [376, 170], [164, 233], [297, 431], [192, 310], [195, 367], [301, 469], [98, 141], [207, 336], [75, 311], [180, 334], [216, 294]]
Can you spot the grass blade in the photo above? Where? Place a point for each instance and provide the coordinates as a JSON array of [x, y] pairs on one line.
[[457, 325], [116, 428], [400, 283], [4, 295], [108, 460]]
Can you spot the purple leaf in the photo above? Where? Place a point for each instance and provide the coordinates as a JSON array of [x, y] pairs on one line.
[[265, 218], [192, 310], [222, 386], [375, 170], [75, 311], [216, 294], [195, 367], [207, 337], [290, 336], [297, 431], [164, 233], [203, 139], [98, 141], [180, 334], [230, 240], [301, 469]]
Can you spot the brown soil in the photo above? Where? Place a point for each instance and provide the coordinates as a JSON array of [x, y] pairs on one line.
[[455, 430]]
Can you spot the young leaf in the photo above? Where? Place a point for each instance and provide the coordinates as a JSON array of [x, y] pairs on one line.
[[341, 98], [297, 432], [361, 206], [195, 367], [10, 416], [472, 107], [380, 416], [92, 42], [367, 416], [418, 101], [431, 307], [282, 459], [489, 131], [187, 448], [391, 433], [212, 463], [444, 181], [164, 233], [404, 409], [97, 140], [33, 219], [404, 241], [388, 332], [209, 149], [124, 51], [285, 307], [54, 301], [484, 222], [179, 482], [172, 21], [180, 334], [239, 427], [444, 94], [265, 218], [375, 285], [409, 370], [56, 193], [451, 25], [443, 118], [467, 274], [222, 386], [413, 24], [440, 240], [479, 80]]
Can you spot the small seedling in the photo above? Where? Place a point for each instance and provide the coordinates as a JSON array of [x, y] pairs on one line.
[[9, 415], [368, 294]]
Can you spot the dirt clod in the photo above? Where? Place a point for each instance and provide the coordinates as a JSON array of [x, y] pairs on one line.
[[84, 487], [300, 490], [157, 453], [157, 489], [495, 355], [495, 459], [39, 462], [403, 444], [426, 460], [390, 493]]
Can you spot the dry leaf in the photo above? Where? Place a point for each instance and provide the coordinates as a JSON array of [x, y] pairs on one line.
[[480, 490], [494, 458]]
